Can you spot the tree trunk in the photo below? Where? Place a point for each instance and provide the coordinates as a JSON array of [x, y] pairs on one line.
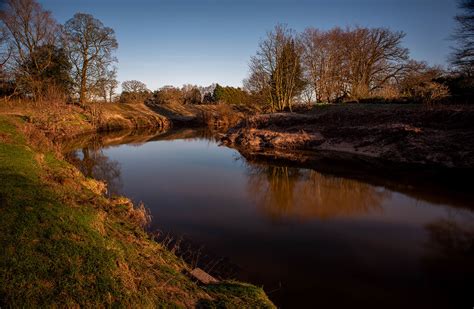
[[83, 90]]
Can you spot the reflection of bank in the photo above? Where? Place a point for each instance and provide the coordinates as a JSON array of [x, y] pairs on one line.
[[92, 162], [85, 151], [448, 262], [285, 191]]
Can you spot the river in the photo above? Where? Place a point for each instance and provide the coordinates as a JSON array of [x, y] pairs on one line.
[[310, 239]]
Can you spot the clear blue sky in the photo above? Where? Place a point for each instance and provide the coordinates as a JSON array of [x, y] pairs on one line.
[[175, 42]]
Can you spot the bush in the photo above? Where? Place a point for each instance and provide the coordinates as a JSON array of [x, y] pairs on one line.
[[233, 96], [168, 95]]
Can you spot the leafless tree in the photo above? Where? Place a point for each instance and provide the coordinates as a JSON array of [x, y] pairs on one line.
[[168, 95], [90, 46], [206, 92], [31, 33], [376, 56], [420, 83], [5, 53], [463, 56], [106, 84], [353, 63], [134, 86], [134, 91], [5, 48], [307, 96], [325, 63], [191, 94], [112, 84], [276, 70]]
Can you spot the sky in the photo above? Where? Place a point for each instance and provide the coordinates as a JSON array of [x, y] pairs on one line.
[[176, 42]]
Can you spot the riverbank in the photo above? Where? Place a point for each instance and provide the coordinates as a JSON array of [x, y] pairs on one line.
[[234, 214], [58, 120], [66, 244], [413, 134], [220, 116]]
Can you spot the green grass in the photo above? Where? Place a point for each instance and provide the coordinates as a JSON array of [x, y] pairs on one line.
[[49, 249], [65, 244], [233, 294]]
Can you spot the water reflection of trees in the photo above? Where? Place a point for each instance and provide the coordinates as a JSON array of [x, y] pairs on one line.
[[85, 151], [285, 191], [448, 261], [193, 134], [104, 139], [92, 162]]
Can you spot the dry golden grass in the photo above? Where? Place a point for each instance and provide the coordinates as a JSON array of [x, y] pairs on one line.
[[57, 119]]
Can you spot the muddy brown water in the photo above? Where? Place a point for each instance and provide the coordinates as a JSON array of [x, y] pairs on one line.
[[311, 239]]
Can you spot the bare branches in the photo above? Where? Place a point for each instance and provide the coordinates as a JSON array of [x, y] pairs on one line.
[[134, 91], [463, 55], [30, 32], [351, 63], [419, 82], [276, 68], [133, 86], [324, 63], [106, 83], [89, 45]]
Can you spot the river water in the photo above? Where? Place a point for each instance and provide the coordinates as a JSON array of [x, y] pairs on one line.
[[311, 239]]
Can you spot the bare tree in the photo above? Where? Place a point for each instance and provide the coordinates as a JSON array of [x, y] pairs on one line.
[[421, 83], [5, 48], [353, 63], [325, 63], [5, 53], [206, 92], [90, 46], [112, 84], [168, 95], [134, 86], [376, 56], [31, 33], [463, 56], [307, 96], [106, 84], [134, 91], [276, 70], [191, 94]]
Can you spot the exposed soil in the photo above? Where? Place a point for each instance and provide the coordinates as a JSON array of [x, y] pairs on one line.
[[441, 136]]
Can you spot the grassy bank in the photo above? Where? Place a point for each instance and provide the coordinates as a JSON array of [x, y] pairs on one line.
[[65, 244], [220, 116], [61, 120]]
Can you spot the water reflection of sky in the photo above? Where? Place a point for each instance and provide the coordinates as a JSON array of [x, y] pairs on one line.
[[283, 225]]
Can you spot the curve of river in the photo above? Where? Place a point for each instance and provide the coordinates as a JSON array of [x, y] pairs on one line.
[[310, 239]]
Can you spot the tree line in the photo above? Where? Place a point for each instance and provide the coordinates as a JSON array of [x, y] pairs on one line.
[[357, 64], [350, 64], [40, 57], [192, 94], [337, 65]]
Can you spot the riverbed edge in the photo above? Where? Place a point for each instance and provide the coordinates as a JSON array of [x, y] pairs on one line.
[[411, 134], [63, 206]]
